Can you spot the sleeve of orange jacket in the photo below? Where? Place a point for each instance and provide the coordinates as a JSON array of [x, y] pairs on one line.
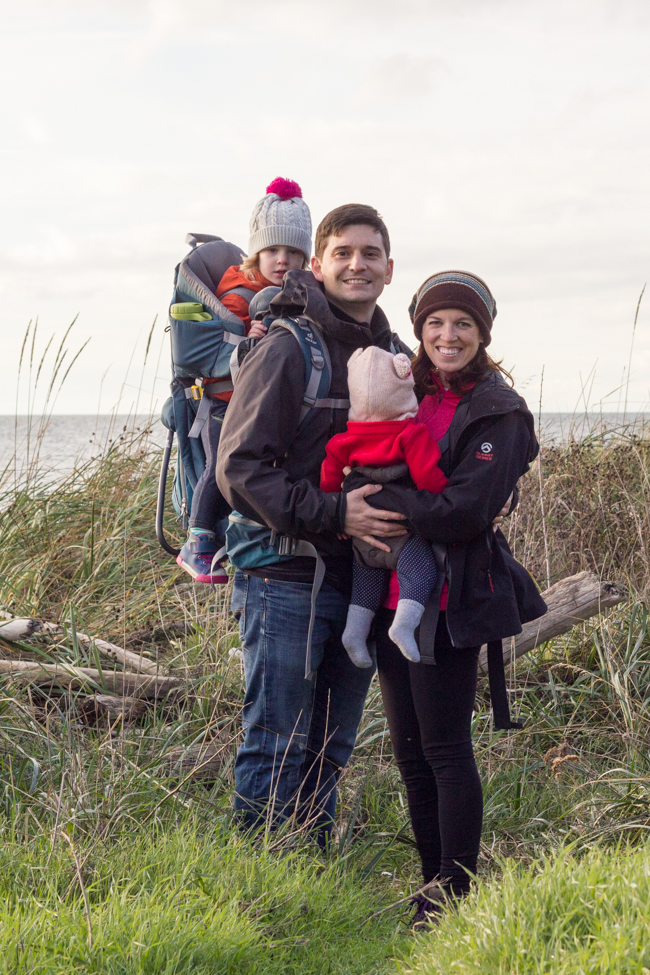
[[422, 455], [336, 457], [239, 306]]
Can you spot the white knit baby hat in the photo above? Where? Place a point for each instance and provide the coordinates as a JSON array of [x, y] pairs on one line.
[[281, 218], [381, 386]]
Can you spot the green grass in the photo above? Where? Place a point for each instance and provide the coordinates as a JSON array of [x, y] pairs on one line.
[[184, 900], [172, 887], [561, 916]]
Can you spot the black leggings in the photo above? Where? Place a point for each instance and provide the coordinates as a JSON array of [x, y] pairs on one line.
[[209, 506], [429, 712]]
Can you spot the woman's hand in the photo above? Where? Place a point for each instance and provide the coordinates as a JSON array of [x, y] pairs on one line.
[[363, 521], [257, 330], [505, 511]]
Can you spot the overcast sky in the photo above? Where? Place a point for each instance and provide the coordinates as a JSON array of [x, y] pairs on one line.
[[505, 137]]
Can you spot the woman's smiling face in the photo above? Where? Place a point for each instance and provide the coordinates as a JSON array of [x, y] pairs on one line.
[[451, 339]]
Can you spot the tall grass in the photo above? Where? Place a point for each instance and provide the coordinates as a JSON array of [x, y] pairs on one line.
[[593, 499], [105, 842]]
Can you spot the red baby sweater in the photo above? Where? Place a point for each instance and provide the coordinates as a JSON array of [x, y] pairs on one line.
[[384, 444]]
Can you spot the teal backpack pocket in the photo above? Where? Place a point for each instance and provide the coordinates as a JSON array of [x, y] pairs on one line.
[[249, 544], [203, 340]]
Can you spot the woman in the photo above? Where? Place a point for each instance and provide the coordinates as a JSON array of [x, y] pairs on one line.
[[487, 441]]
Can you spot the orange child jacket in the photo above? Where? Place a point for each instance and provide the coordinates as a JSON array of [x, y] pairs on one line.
[[233, 278]]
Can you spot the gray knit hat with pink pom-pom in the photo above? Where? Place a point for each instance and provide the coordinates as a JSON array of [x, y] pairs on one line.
[[281, 218]]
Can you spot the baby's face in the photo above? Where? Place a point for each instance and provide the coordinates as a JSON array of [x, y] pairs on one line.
[[276, 261]]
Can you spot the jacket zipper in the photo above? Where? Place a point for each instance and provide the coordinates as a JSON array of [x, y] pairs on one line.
[[448, 577], [488, 542], [451, 459]]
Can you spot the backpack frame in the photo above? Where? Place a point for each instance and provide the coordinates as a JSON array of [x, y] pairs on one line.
[[198, 349]]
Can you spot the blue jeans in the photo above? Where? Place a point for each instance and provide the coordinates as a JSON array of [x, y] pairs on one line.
[[299, 733]]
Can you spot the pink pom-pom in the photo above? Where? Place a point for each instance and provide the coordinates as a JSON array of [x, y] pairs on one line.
[[285, 188]]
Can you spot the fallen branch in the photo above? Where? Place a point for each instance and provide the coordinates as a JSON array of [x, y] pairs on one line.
[[132, 661], [66, 676], [106, 709], [570, 601], [197, 761], [22, 629], [18, 629]]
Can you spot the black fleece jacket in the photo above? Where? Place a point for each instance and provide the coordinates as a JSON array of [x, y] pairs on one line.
[[490, 445], [269, 470]]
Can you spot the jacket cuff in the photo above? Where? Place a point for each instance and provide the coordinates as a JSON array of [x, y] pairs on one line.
[[341, 511], [331, 518]]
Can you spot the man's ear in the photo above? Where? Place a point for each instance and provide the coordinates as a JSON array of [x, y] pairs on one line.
[[389, 271], [316, 269]]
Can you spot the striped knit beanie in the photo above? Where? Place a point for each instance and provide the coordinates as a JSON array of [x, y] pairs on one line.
[[281, 218], [454, 289]]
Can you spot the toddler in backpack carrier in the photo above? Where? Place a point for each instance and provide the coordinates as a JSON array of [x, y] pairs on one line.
[[382, 434], [280, 240]]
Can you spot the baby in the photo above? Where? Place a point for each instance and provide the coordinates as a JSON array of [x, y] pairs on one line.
[[382, 432]]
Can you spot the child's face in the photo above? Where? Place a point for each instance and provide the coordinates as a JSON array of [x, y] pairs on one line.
[[276, 261]]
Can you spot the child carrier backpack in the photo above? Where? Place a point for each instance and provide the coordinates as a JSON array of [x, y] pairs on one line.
[[204, 334], [250, 545]]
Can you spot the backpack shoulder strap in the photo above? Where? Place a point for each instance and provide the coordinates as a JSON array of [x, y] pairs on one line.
[[397, 345], [242, 291], [318, 366]]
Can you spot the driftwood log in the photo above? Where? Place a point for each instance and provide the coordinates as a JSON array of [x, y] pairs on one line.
[[134, 662], [198, 761], [104, 709], [65, 676], [22, 629], [17, 629], [570, 601]]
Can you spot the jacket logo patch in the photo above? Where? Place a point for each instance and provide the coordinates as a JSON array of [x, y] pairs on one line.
[[485, 453]]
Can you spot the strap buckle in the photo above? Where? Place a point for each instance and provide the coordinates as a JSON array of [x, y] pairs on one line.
[[197, 393], [286, 544]]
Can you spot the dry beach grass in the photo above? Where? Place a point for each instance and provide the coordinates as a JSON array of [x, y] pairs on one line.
[[116, 858]]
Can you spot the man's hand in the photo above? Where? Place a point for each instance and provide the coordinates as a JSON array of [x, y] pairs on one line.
[[505, 511], [362, 521]]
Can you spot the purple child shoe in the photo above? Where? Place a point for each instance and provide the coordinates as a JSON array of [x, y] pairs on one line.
[[196, 557]]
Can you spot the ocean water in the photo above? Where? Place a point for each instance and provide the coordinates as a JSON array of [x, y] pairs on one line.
[[558, 428], [63, 442]]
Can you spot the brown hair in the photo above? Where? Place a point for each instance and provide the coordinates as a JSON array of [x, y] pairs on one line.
[[250, 266], [459, 381], [345, 216]]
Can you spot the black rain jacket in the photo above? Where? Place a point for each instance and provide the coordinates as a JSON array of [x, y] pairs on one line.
[[490, 444]]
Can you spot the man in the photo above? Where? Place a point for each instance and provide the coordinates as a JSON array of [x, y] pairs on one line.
[[299, 733]]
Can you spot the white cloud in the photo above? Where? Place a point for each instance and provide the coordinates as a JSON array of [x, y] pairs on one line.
[[163, 20], [402, 76], [506, 138]]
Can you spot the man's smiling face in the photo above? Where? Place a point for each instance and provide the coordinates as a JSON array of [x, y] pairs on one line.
[[354, 270]]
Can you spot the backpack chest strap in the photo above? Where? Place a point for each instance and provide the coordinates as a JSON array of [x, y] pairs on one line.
[[333, 404]]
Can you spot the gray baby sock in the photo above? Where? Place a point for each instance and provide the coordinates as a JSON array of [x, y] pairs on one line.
[[407, 617], [357, 628]]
